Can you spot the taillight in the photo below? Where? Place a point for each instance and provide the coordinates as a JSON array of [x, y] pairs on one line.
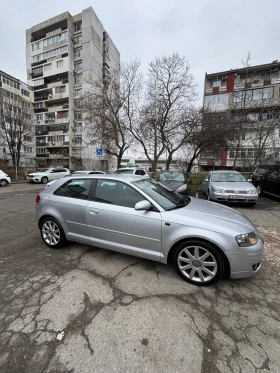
[[38, 198]]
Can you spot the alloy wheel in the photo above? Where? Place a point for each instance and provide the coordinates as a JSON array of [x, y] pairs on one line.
[[197, 264], [51, 233]]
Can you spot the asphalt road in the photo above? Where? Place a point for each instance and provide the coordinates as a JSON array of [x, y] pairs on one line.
[[82, 309]]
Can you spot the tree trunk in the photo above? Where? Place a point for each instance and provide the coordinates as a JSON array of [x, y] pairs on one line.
[[154, 165], [168, 162], [119, 160]]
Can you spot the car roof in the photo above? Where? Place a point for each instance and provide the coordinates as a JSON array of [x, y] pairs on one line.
[[224, 171], [128, 178], [129, 168]]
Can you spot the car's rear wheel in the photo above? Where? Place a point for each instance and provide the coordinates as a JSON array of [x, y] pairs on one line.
[[198, 262], [52, 233], [259, 189], [3, 182], [44, 180]]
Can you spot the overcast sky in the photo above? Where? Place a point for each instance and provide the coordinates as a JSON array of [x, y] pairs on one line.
[[214, 35]]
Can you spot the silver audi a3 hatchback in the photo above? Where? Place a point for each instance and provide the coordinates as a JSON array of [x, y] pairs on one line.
[[141, 217]]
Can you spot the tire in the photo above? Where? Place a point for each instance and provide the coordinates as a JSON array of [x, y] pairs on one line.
[[52, 233], [203, 192], [3, 183], [259, 189], [44, 180], [189, 253]]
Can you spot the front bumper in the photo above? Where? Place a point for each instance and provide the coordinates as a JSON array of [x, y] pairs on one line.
[[234, 198], [35, 179], [247, 262]]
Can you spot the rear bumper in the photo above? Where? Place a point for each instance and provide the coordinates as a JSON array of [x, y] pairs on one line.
[[247, 262]]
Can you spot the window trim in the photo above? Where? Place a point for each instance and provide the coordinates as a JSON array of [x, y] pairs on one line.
[[90, 189]]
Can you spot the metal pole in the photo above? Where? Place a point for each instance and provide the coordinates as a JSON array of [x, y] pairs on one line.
[[16, 166]]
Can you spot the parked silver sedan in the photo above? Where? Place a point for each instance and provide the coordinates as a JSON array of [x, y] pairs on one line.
[[229, 186], [141, 217]]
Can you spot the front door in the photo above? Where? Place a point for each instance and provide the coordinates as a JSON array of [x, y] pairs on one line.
[[271, 182], [115, 224]]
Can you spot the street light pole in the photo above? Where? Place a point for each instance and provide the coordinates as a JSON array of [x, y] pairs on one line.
[[16, 158]]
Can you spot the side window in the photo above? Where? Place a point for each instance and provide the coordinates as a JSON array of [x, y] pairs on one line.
[[273, 173], [142, 172], [55, 171], [74, 189], [138, 172], [117, 193]]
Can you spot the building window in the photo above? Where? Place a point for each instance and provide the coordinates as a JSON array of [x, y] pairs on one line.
[[59, 63], [38, 82], [265, 76], [268, 93], [39, 117], [62, 114], [78, 66], [61, 89], [35, 46], [78, 79], [40, 150], [27, 149], [243, 136], [78, 116], [55, 39], [77, 39], [78, 52], [78, 140], [78, 26], [77, 92], [39, 105], [37, 70], [231, 154], [216, 100], [48, 67], [51, 53]]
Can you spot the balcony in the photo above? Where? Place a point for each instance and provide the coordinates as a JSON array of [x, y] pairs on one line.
[[38, 63], [42, 155], [58, 156], [37, 75], [62, 120], [40, 110], [41, 98], [42, 86]]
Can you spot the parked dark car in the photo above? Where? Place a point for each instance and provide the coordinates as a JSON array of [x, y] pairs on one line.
[[266, 179], [174, 180]]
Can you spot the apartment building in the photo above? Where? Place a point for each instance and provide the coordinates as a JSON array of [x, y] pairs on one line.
[[62, 54], [17, 121], [249, 98]]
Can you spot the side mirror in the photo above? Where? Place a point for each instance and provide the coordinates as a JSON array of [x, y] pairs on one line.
[[51, 172], [143, 205], [206, 180], [249, 180]]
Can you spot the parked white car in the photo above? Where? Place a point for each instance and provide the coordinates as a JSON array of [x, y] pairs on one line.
[[4, 179], [132, 171], [47, 174]]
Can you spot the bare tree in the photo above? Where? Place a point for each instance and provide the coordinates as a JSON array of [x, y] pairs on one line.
[[211, 135], [166, 118], [16, 124], [110, 107]]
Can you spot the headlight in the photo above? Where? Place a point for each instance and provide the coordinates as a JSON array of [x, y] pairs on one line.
[[181, 188], [219, 190], [252, 191], [247, 239]]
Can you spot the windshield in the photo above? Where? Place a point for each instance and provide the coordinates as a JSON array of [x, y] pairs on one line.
[[123, 171], [166, 198], [228, 177], [172, 176], [45, 170]]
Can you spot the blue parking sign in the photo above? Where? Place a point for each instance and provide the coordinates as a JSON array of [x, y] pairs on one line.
[[99, 151]]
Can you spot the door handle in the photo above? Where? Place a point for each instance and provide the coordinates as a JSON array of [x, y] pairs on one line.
[[93, 211]]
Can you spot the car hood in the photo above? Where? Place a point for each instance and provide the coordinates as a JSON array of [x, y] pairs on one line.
[[173, 185], [211, 216], [232, 185]]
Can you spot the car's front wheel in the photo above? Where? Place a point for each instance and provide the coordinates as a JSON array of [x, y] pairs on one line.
[[198, 262], [52, 233], [3, 182], [44, 180]]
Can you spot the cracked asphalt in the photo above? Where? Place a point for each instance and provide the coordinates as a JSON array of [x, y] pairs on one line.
[[83, 309]]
